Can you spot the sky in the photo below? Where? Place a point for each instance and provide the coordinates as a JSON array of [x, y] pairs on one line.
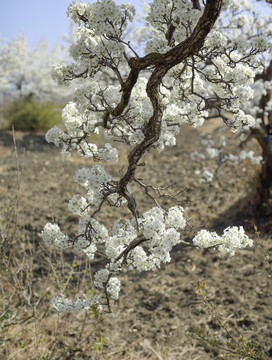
[[37, 19]]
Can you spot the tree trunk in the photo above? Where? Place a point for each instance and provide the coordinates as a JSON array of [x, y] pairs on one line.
[[262, 202], [262, 205]]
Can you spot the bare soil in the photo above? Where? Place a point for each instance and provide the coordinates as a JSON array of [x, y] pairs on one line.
[[155, 312]]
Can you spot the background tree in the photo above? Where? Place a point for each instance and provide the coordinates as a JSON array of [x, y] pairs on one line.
[[243, 22], [248, 25], [30, 98], [25, 73], [262, 201]]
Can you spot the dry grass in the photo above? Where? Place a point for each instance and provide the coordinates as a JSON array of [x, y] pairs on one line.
[[154, 313], [29, 327]]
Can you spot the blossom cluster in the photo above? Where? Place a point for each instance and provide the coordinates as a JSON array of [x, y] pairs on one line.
[[159, 228], [233, 239], [250, 155], [216, 151], [62, 304], [100, 28], [75, 139], [95, 181], [256, 107], [113, 284], [206, 176], [161, 13], [104, 17], [52, 234]]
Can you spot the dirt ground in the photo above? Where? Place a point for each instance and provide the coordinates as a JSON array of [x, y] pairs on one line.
[[156, 310]]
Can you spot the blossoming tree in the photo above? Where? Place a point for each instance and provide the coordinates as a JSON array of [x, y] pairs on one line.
[[244, 24], [25, 73], [143, 102], [247, 23]]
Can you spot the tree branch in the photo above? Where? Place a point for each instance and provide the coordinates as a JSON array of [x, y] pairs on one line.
[[162, 63]]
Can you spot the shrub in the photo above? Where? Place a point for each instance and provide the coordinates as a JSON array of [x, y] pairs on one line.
[[29, 115]]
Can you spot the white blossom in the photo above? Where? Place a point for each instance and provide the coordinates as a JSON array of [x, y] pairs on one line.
[[233, 238], [62, 304], [51, 233]]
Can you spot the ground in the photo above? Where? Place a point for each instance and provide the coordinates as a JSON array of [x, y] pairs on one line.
[[156, 310]]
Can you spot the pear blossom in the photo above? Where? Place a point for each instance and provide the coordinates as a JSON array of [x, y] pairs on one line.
[[117, 98]]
